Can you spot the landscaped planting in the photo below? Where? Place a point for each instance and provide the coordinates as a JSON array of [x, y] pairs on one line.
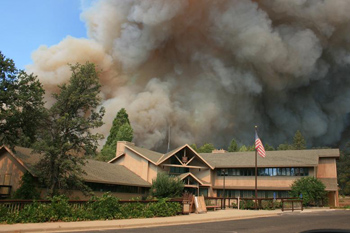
[[98, 208]]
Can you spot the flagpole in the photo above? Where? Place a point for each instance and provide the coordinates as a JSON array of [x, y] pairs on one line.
[[256, 173]]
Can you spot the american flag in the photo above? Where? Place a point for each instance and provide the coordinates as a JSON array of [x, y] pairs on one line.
[[259, 146]]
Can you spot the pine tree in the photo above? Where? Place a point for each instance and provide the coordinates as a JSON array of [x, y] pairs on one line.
[[233, 147], [299, 142], [121, 130]]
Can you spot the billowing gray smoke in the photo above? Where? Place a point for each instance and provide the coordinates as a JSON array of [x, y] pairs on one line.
[[213, 69]]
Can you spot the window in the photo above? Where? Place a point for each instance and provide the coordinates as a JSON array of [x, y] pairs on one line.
[[270, 171], [117, 188], [283, 171], [287, 171], [178, 170]]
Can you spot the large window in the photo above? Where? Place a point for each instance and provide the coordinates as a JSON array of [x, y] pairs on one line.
[[269, 171], [251, 193], [117, 188], [178, 170]]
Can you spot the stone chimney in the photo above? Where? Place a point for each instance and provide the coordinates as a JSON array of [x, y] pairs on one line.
[[221, 151]]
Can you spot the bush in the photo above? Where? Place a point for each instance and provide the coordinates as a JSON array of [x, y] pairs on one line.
[[27, 189], [105, 207], [165, 186], [312, 190], [267, 205], [248, 204]]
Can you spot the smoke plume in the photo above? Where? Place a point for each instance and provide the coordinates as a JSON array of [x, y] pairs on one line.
[[212, 70]]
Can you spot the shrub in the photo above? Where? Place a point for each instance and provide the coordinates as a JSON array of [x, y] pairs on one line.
[[27, 189], [267, 205], [162, 208], [248, 204], [105, 207], [312, 190], [165, 186]]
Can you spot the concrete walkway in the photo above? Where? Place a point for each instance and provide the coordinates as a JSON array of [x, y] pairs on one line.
[[211, 216]]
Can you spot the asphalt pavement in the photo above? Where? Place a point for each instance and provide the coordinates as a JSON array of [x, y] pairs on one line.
[[211, 216]]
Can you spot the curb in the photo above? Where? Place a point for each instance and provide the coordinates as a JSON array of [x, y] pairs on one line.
[[60, 228]]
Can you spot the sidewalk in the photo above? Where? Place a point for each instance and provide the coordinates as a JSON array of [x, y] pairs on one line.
[[211, 216]]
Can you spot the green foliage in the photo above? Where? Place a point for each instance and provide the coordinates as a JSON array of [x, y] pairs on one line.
[[121, 130], [105, 207], [285, 146], [299, 142], [162, 208], [206, 148], [343, 170], [21, 105], [268, 205], [247, 204], [165, 186], [194, 147], [312, 190], [233, 147], [98, 208], [125, 133], [66, 138], [268, 147], [245, 148], [28, 188]]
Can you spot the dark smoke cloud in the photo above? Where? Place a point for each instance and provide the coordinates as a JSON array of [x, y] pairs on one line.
[[213, 69]]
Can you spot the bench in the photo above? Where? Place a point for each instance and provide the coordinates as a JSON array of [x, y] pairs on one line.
[[214, 207]]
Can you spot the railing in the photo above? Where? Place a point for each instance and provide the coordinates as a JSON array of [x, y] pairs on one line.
[[293, 206], [222, 202], [232, 202]]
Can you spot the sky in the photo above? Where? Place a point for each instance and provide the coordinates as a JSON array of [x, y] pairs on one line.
[[26, 25]]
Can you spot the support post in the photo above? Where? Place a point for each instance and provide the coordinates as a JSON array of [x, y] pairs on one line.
[[256, 175]]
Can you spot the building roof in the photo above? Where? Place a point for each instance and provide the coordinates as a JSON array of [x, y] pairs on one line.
[[102, 172], [149, 154], [96, 171], [171, 153], [282, 158], [184, 175]]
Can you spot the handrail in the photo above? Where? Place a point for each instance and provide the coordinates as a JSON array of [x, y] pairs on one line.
[[292, 201]]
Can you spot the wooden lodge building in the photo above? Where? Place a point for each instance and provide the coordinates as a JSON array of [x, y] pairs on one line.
[[131, 172]]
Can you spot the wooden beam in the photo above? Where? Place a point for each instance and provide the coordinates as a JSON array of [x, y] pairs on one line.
[[176, 165], [179, 160], [190, 160]]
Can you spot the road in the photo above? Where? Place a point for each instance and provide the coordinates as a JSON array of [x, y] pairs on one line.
[[334, 221]]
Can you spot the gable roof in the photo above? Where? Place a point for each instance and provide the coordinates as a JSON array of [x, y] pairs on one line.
[[150, 155], [115, 158], [25, 157], [96, 171], [184, 175], [282, 158], [109, 173], [171, 153]]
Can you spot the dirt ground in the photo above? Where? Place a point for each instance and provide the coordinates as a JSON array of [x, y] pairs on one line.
[[344, 201]]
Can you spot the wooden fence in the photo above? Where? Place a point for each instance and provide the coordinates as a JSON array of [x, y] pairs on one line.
[[292, 204]]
